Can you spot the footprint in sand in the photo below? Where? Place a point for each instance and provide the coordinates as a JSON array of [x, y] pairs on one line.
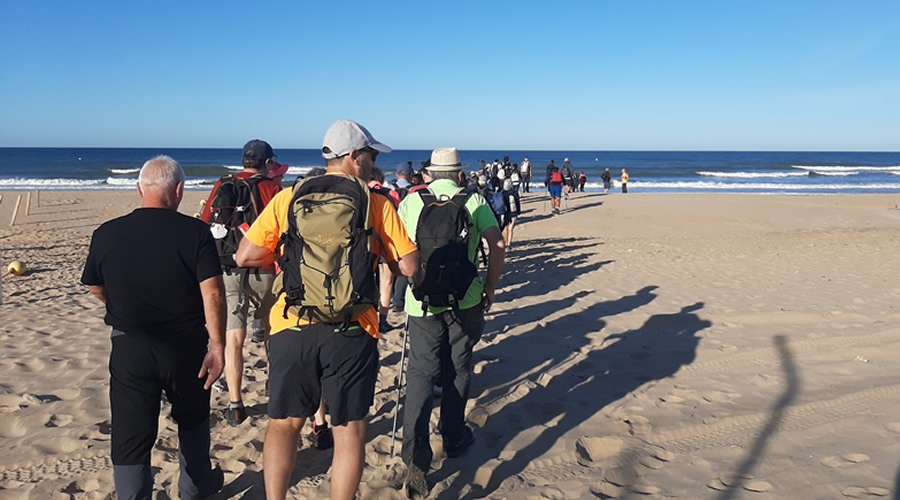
[[719, 397], [859, 492], [893, 427], [58, 446], [591, 450], [12, 428], [639, 424], [844, 460], [59, 420]]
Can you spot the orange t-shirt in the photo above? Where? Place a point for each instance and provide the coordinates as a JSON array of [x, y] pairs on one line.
[[392, 243]]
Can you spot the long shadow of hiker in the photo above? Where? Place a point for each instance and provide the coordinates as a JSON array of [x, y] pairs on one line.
[[577, 383], [539, 267]]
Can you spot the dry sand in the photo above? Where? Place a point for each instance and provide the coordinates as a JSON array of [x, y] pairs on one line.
[[644, 346]]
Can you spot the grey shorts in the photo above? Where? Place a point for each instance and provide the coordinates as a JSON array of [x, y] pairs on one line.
[[257, 297]]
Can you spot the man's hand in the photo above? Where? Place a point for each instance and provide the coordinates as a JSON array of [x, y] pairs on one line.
[[213, 365], [488, 300]]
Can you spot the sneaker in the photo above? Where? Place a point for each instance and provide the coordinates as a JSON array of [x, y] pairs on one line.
[[216, 481], [384, 326], [235, 413], [321, 437], [454, 449], [416, 486]]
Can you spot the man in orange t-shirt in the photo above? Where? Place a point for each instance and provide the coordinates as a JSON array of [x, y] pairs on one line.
[[320, 360]]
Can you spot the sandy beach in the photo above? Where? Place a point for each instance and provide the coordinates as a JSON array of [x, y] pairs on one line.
[[709, 346]]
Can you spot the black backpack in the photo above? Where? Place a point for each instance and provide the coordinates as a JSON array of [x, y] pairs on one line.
[[442, 236], [236, 203], [401, 191], [327, 264]]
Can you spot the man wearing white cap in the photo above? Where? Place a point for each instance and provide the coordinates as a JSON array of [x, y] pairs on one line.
[[441, 339], [310, 360]]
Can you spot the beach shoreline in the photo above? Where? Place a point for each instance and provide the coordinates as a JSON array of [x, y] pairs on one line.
[[670, 345]]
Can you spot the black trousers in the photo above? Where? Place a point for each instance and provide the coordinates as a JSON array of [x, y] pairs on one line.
[[142, 367], [440, 348]]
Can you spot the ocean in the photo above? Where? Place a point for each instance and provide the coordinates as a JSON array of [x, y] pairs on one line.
[[649, 171]]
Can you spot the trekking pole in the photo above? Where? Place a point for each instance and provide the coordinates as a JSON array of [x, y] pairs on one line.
[[399, 383]]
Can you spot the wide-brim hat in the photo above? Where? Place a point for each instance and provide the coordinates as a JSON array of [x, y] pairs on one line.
[[445, 160]]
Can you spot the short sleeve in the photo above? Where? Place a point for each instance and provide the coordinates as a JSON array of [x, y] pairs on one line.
[[393, 238], [208, 263], [91, 276], [266, 230]]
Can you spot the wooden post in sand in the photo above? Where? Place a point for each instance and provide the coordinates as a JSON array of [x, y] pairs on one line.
[[28, 204], [37, 196], [15, 211]]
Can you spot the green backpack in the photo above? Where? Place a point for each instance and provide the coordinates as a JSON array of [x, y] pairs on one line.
[[327, 264]]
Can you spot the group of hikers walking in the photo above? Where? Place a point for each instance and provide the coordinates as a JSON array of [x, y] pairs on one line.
[[303, 264]]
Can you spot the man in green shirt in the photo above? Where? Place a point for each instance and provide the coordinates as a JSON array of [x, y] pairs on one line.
[[441, 339]]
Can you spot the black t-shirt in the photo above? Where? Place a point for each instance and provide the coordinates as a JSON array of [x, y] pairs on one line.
[[151, 263]]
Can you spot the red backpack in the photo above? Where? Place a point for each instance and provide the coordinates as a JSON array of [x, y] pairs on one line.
[[556, 177]]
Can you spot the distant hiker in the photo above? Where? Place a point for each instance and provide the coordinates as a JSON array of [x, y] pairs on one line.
[[446, 313], [401, 183], [324, 338], [555, 187], [550, 167], [158, 272], [582, 179], [569, 179], [525, 173], [606, 180], [624, 181], [233, 205], [512, 205]]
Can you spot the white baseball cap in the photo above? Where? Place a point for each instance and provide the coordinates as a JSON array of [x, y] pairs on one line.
[[347, 135]]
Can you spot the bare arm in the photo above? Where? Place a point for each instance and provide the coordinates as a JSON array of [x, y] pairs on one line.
[[250, 254], [99, 292], [406, 265], [213, 292], [497, 249]]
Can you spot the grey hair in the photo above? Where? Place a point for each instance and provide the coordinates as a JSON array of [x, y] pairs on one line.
[[160, 172], [453, 175]]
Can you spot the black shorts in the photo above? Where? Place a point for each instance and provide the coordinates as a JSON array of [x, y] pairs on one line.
[[317, 361]]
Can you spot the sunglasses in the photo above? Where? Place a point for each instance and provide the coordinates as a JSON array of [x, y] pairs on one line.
[[372, 152]]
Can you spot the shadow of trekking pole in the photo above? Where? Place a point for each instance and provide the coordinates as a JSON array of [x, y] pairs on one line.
[[793, 383]]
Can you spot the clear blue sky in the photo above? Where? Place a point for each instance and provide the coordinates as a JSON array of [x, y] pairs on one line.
[[576, 75]]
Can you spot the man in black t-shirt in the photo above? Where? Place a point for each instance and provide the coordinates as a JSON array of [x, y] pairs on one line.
[[158, 273]]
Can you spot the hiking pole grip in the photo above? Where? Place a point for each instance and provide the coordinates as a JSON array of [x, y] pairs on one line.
[[399, 383]]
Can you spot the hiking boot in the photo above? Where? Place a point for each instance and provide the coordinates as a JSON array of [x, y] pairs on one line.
[[235, 413], [455, 448], [384, 326], [258, 336], [217, 480], [321, 437], [221, 385], [416, 486]]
